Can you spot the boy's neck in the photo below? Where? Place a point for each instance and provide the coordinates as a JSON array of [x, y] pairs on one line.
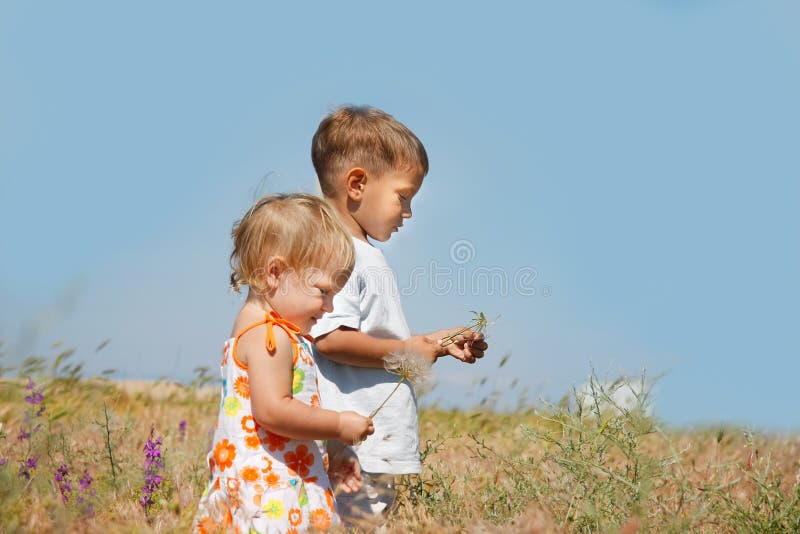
[[340, 205]]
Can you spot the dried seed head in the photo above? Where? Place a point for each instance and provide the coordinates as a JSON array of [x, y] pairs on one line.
[[408, 365]]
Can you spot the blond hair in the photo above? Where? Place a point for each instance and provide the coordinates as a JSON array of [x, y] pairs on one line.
[[363, 136], [302, 229]]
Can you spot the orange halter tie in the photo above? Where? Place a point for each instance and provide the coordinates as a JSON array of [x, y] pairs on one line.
[[271, 319], [274, 319]]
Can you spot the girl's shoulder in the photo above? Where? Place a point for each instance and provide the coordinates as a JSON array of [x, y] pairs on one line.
[[261, 340]]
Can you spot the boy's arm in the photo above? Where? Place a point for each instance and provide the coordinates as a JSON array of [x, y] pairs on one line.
[[351, 347], [344, 469]]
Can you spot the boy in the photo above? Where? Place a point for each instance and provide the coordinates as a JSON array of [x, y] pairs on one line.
[[369, 167]]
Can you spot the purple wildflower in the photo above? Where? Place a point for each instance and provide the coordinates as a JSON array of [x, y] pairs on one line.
[[27, 466], [23, 434], [86, 481], [182, 429], [85, 484], [62, 480], [3, 461], [36, 397], [153, 466]]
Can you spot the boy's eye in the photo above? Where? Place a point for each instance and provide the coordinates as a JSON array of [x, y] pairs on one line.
[[402, 197]]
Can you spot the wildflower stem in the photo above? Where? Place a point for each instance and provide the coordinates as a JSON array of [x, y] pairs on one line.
[[376, 410], [449, 340], [109, 449], [478, 323]]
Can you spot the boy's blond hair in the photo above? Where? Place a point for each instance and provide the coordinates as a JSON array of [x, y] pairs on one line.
[[363, 136], [302, 229]]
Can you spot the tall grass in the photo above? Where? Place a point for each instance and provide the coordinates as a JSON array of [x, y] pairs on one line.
[[586, 464]]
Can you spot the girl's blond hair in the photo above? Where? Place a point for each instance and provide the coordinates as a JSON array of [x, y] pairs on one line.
[[300, 228]]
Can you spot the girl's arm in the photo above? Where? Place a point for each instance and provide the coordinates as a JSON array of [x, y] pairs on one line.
[[274, 407]]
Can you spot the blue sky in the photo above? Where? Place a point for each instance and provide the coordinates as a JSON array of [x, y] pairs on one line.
[[639, 157]]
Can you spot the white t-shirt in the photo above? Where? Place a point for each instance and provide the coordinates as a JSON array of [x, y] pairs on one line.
[[370, 303]]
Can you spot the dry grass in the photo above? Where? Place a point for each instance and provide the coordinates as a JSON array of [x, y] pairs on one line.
[[558, 470]]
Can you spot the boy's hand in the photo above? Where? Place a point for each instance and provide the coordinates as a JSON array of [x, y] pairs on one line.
[[467, 346], [354, 428], [427, 346], [345, 471]]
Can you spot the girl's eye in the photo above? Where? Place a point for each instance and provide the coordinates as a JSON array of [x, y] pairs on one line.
[[323, 292]]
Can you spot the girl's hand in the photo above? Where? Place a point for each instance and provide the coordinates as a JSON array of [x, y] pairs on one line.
[[345, 471], [354, 428]]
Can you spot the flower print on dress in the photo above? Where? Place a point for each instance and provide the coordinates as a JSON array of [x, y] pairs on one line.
[[299, 460], [275, 442], [258, 491], [249, 474], [273, 508], [297, 380], [320, 519], [224, 453], [232, 406], [242, 387], [262, 481], [295, 516], [249, 424], [273, 480]]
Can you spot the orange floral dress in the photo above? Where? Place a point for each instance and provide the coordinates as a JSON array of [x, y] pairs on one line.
[[261, 481]]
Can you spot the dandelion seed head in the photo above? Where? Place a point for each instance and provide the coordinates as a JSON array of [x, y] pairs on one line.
[[408, 365]]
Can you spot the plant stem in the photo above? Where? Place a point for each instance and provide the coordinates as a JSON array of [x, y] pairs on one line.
[[376, 410], [449, 340], [108, 445]]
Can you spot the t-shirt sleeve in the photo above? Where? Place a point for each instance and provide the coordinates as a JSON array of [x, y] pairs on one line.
[[346, 309]]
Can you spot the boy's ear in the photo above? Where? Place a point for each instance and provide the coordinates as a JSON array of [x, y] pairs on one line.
[[275, 268], [355, 182]]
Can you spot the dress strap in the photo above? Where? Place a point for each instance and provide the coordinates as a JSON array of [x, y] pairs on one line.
[[271, 319], [290, 328]]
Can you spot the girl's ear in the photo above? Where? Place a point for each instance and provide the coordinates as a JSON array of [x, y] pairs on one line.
[[355, 183], [276, 267]]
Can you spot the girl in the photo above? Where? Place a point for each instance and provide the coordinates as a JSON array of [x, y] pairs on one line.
[[267, 472]]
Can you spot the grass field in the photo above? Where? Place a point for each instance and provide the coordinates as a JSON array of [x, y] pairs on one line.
[[73, 457]]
